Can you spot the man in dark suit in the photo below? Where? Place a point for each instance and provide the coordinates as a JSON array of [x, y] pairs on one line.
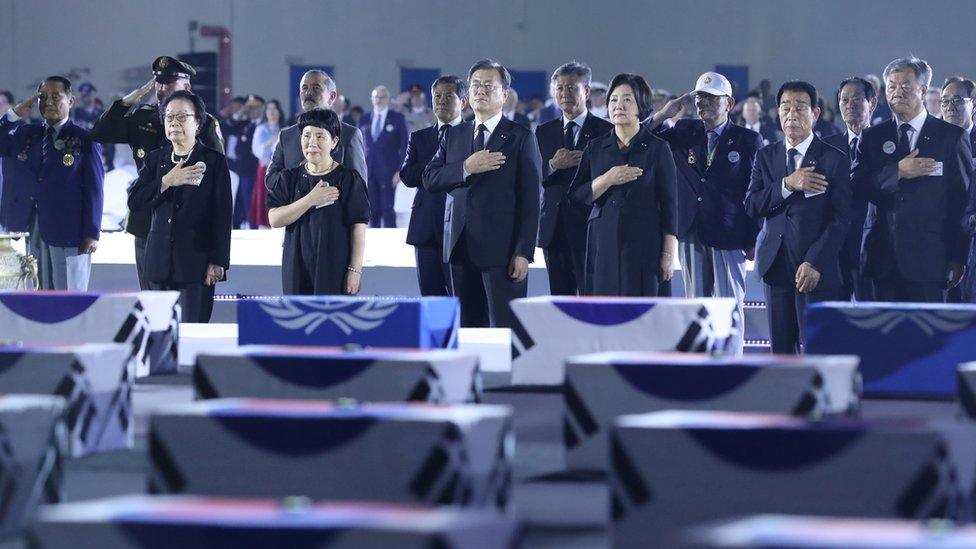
[[915, 170], [240, 137], [956, 102], [714, 159], [16, 201], [492, 169], [754, 119], [562, 223], [62, 166], [386, 145], [318, 91], [426, 232], [857, 99], [801, 192], [511, 112]]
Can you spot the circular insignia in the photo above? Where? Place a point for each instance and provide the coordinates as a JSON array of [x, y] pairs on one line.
[[734, 156], [59, 144], [707, 80], [389, 127], [69, 160], [22, 157], [140, 153], [244, 139], [163, 63], [888, 147]]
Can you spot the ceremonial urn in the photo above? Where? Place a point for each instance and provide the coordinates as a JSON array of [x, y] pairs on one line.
[[17, 271]]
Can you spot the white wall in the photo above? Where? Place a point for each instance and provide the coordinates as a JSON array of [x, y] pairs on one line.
[[367, 40]]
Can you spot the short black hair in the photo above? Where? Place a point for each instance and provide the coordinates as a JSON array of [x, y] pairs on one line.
[[199, 107], [491, 64], [869, 91], [8, 95], [460, 86], [642, 92], [801, 87], [64, 82], [320, 118], [966, 83]]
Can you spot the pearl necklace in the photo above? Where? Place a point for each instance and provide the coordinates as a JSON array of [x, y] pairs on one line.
[[172, 154]]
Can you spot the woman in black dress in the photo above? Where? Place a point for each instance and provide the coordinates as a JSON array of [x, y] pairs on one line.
[[324, 209], [628, 178], [187, 187]]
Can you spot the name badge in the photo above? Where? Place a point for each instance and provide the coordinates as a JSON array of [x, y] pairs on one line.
[[733, 157], [888, 147]]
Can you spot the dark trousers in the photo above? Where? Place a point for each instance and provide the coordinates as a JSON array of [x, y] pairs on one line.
[[857, 285], [565, 258], [196, 300], [243, 201], [381, 193], [140, 245], [786, 306], [433, 275], [484, 293], [898, 290]]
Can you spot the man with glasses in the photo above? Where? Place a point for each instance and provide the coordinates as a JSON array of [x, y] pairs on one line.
[[857, 99], [957, 108], [915, 170], [714, 160], [491, 168], [142, 130]]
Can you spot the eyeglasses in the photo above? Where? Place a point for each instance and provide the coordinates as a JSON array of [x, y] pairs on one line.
[[954, 101], [179, 117], [487, 86]]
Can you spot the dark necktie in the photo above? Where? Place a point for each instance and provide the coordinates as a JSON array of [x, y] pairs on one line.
[[441, 131], [712, 141], [48, 146], [569, 141], [791, 163], [479, 140], [904, 145], [853, 152]]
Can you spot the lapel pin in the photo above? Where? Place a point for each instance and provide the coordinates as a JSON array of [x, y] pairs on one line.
[[22, 157], [888, 147], [733, 157], [691, 157]]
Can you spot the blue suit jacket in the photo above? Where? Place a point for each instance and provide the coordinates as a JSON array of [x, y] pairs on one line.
[[427, 219], [710, 197], [10, 218], [68, 198], [384, 155]]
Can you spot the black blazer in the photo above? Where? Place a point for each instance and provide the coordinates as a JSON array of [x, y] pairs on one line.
[[812, 229], [555, 183], [627, 223], [710, 197], [190, 225], [913, 224], [427, 219], [498, 210], [859, 210]]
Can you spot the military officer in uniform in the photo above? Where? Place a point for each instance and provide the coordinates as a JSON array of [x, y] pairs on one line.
[[142, 129]]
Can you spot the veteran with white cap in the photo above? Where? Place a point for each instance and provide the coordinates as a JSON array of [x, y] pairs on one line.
[[714, 160]]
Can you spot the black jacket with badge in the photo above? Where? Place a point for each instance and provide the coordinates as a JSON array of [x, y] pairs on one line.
[[710, 194], [143, 131], [191, 225], [913, 225]]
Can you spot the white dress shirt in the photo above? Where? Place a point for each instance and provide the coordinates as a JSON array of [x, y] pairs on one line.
[[490, 125], [917, 124], [802, 149], [12, 117]]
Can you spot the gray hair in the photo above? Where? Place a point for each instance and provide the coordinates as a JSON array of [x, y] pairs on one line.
[[921, 68], [574, 68], [329, 82]]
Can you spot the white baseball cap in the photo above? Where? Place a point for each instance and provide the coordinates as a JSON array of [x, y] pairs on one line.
[[713, 83]]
